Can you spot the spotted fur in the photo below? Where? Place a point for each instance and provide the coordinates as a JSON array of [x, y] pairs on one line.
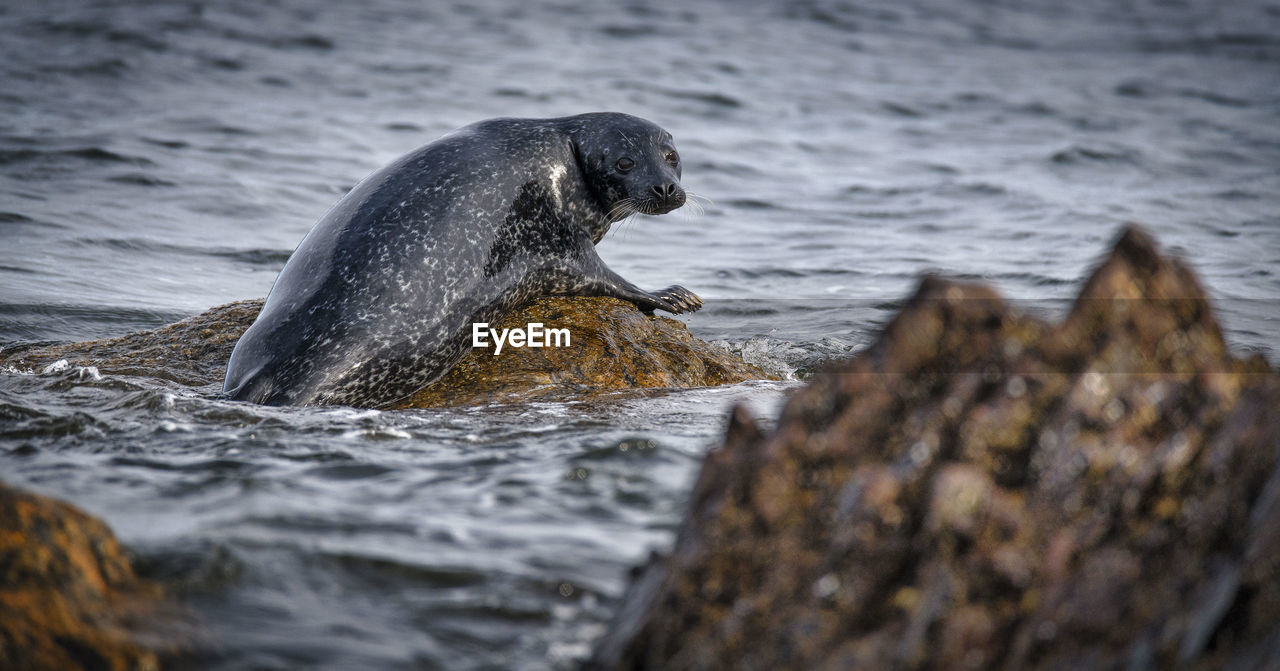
[[378, 299]]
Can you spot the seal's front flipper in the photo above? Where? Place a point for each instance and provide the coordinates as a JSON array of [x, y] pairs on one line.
[[681, 298], [675, 300], [589, 276]]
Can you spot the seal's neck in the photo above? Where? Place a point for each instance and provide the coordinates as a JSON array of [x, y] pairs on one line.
[[594, 201], [598, 233]]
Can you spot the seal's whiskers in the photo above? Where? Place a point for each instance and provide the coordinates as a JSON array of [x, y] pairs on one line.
[[694, 202], [622, 212]]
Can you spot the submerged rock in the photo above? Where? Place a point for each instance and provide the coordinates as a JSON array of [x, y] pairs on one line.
[[69, 597], [613, 347], [981, 489], [192, 352]]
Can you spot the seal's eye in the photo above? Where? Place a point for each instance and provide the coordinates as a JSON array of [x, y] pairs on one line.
[[672, 157], [625, 164]]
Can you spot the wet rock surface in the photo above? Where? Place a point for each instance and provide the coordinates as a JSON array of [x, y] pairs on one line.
[[981, 489], [192, 352], [613, 347], [69, 597]]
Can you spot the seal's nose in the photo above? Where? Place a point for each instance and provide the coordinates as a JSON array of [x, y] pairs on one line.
[[665, 191], [670, 195]]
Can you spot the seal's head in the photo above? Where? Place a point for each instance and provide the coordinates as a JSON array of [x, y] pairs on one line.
[[630, 164]]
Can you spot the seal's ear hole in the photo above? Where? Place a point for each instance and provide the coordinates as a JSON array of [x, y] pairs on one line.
[[625, 164]]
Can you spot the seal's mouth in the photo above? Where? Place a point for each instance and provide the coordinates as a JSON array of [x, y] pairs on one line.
[[662, 201], [653, 207]]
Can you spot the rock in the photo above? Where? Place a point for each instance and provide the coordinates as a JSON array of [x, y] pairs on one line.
[[614, 347], [981, 489], [69, 597], [192, 352]]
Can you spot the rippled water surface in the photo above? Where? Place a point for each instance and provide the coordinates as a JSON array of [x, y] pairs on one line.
[[160, 158]]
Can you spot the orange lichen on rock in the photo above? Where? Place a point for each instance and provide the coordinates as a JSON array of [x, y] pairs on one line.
[[69, 597]]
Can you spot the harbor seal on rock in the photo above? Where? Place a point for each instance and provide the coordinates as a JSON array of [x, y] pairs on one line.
[[379, 298]]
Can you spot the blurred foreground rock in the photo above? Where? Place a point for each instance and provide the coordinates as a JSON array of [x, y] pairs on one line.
[[614, 347], [983, 490], [69, 598]]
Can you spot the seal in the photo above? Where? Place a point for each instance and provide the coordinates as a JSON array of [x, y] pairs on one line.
[[379, 299]]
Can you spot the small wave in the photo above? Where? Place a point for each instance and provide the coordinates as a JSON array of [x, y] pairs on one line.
[[758, 273], [1141, 88], [845, 16], [86, 29], [73, 27], [258, 257], [12, 412], [342, 472], [899, 109], [133, 38], [196, 125], [881, 191], [220, 465], [725, 168], [412, 67], [631, 31], [25, 321], [1082, 154], [226, 63], [285, 42], [1034, 279], [1138, 88], [1252, 46], [319, 522], [771, 355], [262, 257], [78, 372], [15, 218], [404, 127], [751, 204], [792, 360], [167, 143], [1215, 98], [318, 42], [978, 189], [107, 67], [438, 576], [1237, 194], [92, 154], [628, 448], [57, 427], [713, 98], [190, 564], [740, 309], [140, 179], [901, 214], [975, 98]]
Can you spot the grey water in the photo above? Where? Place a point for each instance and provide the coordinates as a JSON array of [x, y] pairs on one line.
[[157, 159]]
